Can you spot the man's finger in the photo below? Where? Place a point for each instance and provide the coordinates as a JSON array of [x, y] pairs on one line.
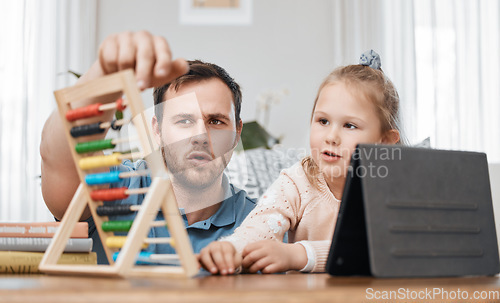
[[108, 55], [178, 68], [126, 51], [145, 59], [163, 64]]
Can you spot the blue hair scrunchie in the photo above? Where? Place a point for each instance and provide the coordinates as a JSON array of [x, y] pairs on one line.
[[370, 58]]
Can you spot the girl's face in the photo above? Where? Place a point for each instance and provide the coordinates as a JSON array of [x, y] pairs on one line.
[[340, 121]]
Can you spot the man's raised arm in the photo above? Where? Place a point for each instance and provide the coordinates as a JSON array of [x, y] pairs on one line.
[[151, 59]]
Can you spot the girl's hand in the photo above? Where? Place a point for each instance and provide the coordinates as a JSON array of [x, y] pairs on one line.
[[220, 257], [269, 256]]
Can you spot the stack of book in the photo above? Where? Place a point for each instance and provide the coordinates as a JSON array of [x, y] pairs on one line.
[[22, 246]]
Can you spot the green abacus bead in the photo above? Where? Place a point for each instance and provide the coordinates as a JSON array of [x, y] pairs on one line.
[[119, 115], [91, 146], [117, 225]]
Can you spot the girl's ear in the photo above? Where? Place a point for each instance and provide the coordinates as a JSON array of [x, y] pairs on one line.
[[391, 137], [156, 130]]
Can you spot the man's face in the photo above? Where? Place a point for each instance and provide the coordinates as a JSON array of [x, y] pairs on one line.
[[198, 132]]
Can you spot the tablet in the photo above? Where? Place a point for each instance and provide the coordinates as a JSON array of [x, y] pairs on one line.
[[415, 212]]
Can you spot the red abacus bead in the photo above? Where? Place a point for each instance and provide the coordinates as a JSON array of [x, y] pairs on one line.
[[119, 105], [109, 194], [83, 112]]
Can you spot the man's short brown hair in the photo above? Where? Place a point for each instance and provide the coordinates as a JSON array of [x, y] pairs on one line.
[[199, 71]]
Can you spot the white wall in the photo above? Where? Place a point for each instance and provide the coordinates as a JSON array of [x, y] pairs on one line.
[[288, 46]]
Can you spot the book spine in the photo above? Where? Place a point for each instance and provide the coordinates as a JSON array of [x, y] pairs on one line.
[[41, 244], [13, 262], [40, 230]]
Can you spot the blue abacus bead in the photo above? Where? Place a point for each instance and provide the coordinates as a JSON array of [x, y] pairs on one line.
[[103, 178], [142, 258]]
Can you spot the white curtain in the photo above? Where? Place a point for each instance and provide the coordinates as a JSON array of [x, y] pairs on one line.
[[457, 47], [443, 57], [40, 42]]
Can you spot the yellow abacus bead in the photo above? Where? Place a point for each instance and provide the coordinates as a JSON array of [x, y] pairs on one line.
[[119, 241], [100, 161]]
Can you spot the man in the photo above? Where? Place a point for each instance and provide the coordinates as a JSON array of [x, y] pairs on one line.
[[197, 125]]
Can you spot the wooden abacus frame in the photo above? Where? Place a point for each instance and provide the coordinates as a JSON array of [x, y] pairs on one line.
[[159, 196]]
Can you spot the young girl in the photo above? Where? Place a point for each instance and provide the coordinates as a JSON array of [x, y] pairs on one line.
[[355, 104]]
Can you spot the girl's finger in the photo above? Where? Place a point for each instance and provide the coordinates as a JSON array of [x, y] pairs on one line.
[[220, 263], [228, 253], [260, 265], [251, 257], [270, 269], [207, 262]]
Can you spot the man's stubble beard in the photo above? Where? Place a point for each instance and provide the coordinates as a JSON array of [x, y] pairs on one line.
[[191, 176]]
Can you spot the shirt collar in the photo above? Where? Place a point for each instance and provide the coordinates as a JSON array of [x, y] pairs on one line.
[[225, 215]]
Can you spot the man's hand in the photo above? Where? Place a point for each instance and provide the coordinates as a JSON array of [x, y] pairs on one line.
[[270, 256], [148, 55], [220, 257]]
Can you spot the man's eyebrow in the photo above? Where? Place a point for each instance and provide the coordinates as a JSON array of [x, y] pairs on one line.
[[217, 116], [181, 116]]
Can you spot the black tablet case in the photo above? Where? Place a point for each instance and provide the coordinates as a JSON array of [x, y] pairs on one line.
[[414, 212]]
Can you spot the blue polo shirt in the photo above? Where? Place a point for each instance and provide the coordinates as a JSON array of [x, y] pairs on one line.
[[231, 213]]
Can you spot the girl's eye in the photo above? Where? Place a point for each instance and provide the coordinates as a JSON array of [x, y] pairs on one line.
[[350, 126], [323, 121]]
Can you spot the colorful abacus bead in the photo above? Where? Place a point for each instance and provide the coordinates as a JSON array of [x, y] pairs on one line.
[[92, 146], [84, 112], [119, 241], [103, 178], [109, 194], [117, 225], [116, 210], [100, 161], [87, 130]]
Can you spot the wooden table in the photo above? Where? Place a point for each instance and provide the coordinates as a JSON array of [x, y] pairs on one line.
[[241, 288]]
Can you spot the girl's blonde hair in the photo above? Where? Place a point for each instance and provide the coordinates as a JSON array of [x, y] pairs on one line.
[[371, 84]]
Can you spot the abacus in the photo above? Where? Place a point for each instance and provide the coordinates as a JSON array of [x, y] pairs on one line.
[[159, 196]]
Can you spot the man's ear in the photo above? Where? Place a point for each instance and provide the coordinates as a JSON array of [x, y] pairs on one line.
[[239, 128], [391, 137], [156, 130]]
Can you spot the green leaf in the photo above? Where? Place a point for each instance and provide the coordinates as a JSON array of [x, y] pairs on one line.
[[74, 73], [254, 135]]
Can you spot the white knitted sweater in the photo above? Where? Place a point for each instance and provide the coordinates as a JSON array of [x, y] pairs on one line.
[[292, 204]]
